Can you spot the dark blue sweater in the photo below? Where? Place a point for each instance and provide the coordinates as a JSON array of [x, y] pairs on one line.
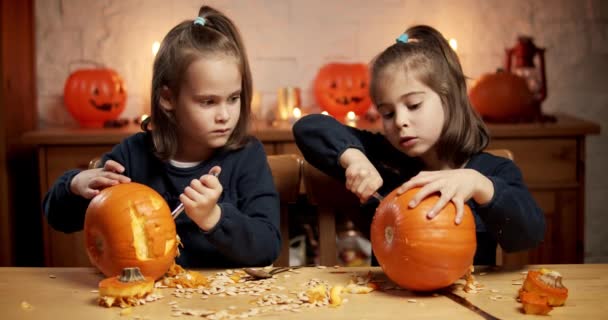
[[512, 218], [247, 233]]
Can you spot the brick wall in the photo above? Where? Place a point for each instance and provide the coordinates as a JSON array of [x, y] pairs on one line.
[[288, 41]]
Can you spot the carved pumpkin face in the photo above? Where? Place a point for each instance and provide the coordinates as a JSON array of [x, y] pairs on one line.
[[340, 88], [418, 253], [130, 225], [94, 96]]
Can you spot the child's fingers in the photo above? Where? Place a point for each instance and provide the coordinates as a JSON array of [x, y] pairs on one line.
[[440, 204], [113, 166], [459, 210], [116, 176], [424, 192], [89, 193], [102, 182], [412, 183], [192, 194], [215, 171]]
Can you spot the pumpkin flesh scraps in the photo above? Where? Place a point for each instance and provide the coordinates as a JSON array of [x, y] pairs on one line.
[[178, 276], [125, 290], [540, 286]]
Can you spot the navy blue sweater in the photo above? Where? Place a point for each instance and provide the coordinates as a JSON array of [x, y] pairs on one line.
[[512, 218], [247, 233]]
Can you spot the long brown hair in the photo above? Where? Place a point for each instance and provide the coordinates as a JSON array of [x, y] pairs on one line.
[[428, 55], [184, 44]]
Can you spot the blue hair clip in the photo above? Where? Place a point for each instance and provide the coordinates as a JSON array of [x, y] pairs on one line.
[[200, 20], [403, 38]]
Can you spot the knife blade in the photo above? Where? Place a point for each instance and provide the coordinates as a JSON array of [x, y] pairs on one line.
[[378, 196], [467, 304]]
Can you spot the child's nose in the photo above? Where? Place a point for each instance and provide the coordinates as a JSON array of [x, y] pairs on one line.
[[222, 114], [401, 118]]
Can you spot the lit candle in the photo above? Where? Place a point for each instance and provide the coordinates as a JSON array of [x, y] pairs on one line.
[[351, 119], [297, 113], [155, 47], [454, 44]]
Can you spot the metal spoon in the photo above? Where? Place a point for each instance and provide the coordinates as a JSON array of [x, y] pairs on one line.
[[257, 274]]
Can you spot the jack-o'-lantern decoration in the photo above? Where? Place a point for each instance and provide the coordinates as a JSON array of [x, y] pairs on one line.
[[130, 225], [341, 87], [94, 96], [419, 253]]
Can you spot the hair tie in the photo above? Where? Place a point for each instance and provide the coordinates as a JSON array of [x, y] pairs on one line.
[[200, 20], [403, 38]]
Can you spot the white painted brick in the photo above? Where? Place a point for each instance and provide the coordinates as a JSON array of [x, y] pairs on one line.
[[53, 113]]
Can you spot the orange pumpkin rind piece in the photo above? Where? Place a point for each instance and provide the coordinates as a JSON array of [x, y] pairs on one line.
[[533, 303], [125, 290], [546, 282]]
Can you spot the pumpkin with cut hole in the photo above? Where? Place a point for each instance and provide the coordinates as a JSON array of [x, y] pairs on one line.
[[343, 87], [94, 96], [418, 253], [130, 225]]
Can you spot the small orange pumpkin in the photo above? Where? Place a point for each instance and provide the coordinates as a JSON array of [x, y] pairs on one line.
[[94, 96], [130, 225], [342, 87], [502, 97], [418, 253]]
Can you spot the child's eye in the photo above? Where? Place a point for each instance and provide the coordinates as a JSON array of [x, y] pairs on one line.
[[414, 106], [207, 102], [387, 114], [235, 99]]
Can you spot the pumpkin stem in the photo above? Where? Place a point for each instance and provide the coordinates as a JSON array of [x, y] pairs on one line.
[[131, 275]]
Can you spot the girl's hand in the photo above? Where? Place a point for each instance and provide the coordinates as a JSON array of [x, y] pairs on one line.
[[458, 186], [88, 183], [362, 178], [200, 199]]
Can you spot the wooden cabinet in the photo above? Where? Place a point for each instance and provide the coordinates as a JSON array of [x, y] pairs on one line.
[[550, 155]]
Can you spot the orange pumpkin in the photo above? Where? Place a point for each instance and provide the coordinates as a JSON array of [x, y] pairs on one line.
[[130, 225], [341, 87], [94, 96], [418, 253], [502, 97]]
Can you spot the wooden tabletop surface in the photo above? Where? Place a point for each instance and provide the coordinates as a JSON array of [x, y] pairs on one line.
[[61, 293]]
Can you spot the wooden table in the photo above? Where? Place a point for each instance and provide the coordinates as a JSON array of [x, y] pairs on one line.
[[57, 293]]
